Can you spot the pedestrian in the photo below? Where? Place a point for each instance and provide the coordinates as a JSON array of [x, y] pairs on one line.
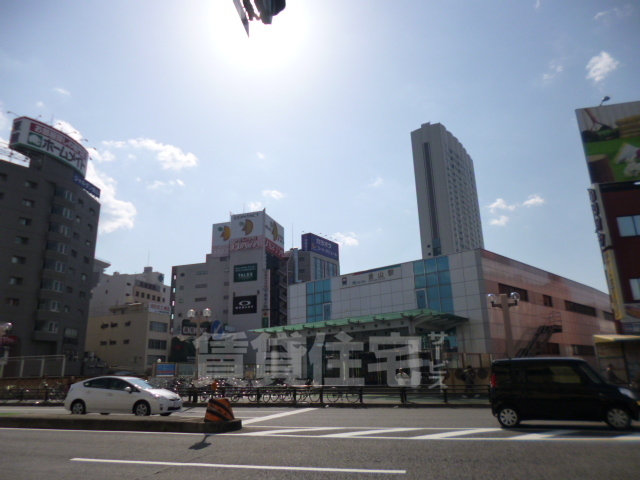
[[402, 378], [469, 377], [193, 393]]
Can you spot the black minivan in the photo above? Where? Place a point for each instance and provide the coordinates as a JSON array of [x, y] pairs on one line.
[[557, 388]]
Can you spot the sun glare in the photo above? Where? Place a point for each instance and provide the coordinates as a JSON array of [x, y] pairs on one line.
[[267, 46]]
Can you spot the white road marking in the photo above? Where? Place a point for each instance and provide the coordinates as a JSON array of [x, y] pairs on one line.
[[544, 435], [251, 467], [266, 433], [368, 432], [457, 433], [277, 415]]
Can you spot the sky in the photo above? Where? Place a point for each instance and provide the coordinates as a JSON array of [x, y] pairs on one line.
[[188, 120]]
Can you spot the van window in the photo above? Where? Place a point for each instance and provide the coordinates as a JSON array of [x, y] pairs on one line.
[[593, 376], [564, 374]]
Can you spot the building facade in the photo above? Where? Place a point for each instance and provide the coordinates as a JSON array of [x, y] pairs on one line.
[[131, 337], [449, 293], [448, 209], [121, 289], [318, 258], [243, 281], [48, 228], [611, 141]]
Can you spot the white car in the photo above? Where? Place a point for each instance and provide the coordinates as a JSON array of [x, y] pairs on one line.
[[121, 395]]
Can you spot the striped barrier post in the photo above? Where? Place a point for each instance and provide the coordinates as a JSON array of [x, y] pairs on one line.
[[218, 410]]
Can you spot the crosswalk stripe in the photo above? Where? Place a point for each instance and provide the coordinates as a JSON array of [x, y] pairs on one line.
[[368, 432], [456, 433], [541, 436]]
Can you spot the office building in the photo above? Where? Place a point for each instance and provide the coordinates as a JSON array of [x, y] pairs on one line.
[[48, 229], [611, 141], [318, 258], [243, 283], [448, 209], [121, 289]]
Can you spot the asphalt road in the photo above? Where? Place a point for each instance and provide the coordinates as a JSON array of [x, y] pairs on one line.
[[329, 443]]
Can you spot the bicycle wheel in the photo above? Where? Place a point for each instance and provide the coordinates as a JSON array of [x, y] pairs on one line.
[[353, 397], [314, 396], [287, 396], [333, 396]]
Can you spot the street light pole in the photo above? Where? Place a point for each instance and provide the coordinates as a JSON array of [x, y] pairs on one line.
[[504, 303]]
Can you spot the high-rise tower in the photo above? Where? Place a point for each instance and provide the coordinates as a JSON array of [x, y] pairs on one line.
[[448, 208]]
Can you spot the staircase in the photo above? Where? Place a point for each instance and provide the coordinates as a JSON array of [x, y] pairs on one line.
[[541, 338]]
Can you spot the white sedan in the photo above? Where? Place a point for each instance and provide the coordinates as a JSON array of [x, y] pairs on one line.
[[121, 395]]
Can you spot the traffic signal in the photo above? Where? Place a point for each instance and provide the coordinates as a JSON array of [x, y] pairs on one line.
[[263, 10]]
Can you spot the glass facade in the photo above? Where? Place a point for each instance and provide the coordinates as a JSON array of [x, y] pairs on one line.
[[433, 284], [319, 301]]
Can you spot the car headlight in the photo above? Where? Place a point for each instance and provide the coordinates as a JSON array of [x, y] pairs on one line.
[[628, 393], [155, 395]]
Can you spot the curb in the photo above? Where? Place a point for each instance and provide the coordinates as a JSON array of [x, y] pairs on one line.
[[128, 424]]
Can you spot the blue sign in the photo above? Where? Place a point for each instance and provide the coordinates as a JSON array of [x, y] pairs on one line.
[[88, 186], [322, 246]]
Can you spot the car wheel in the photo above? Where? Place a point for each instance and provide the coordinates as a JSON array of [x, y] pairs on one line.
[[618, 418], [142, 409], [508, 417], [165, 414], [78, 408]]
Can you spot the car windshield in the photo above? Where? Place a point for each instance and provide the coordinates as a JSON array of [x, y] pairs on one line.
[[138, 382], [592, 374]]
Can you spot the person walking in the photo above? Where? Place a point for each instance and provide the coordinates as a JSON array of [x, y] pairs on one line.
[[469, 377]]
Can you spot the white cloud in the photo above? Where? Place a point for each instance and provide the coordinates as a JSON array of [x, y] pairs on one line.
[[255, 206], [62, 91], [114, 213], [607, 16], [534, 200], [377, 182], [166, 186], [261, 156], [555, 70], [600, 66], [346, 239], [68, 129], [169, 156], [499, 222], [101, 157], [40, 104], [501, 205], [274, 194]]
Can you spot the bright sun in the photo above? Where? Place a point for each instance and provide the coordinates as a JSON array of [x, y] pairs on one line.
[[268, 46]]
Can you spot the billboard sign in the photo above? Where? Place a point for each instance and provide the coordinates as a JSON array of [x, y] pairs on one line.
[[247, 225], [322, 246], [159, 308], [245, 273], [245, 304], [220, 240], [88, 186], [246, 243], [40, 137], [611, 141], [372, 276]]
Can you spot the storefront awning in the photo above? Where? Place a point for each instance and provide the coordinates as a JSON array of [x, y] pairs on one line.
[[615, 338]]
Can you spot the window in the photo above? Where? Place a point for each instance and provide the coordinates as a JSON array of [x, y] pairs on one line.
[[629, 226], [508, 289], [92, 212], [18, 260], [15, 281], [28, 202], [103, 342], [635, 288], [127, 324], [112, 342], [24, 221], [200, 299], [157, 344], [78, 219], [201, 285], [579, 308], [126, 342], [22, 240], [158, 327], [584, 350], [547, 301], [202, 272], [80, 202], [30, 184], [114, 324], [13, 302], [52, 327]]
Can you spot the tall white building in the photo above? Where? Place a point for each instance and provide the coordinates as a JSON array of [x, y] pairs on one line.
[[448, 208]]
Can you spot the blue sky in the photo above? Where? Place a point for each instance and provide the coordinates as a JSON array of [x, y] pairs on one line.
[[310, 118]]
